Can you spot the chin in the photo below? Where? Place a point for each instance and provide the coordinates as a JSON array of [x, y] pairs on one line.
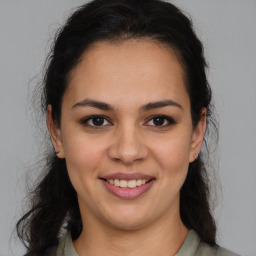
[[127, 219], [131, 224]]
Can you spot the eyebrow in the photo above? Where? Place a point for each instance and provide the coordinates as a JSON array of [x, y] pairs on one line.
[[94, 104], [159, 104], [105, 106]]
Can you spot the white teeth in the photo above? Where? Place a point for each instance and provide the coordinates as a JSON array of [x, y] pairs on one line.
[[116, 182], [138, 182], [132, 184], [123, 183], [127, 184]]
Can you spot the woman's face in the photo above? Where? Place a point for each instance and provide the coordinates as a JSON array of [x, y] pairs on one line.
[[126, 120]]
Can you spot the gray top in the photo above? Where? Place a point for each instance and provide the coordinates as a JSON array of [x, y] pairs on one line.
[[191, 247]]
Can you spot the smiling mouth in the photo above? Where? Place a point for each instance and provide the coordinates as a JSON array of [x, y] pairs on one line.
[[128, 186], [127, 183]]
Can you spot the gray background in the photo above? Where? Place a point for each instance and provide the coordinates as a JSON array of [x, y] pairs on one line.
[[228, 30]]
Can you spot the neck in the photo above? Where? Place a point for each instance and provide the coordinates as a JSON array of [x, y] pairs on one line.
[[164, 237]]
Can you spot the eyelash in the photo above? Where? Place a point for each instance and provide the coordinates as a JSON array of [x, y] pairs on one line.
[[170, 121], [85, 121]]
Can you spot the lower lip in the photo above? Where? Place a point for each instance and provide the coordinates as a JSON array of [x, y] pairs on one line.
[[128, 193]]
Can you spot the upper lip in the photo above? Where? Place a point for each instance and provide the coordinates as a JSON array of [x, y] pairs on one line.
[[128, 176]]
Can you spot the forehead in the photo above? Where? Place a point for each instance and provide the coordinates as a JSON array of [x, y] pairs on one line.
[[134, 68]]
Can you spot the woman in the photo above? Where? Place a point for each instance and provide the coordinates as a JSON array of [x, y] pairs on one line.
[[127, 104]]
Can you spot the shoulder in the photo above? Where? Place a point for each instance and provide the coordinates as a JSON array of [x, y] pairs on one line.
[[194, 246], [205, 249]]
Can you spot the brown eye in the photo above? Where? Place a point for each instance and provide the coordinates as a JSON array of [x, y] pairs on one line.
[[95, 121], [158, 121], [161, 121]]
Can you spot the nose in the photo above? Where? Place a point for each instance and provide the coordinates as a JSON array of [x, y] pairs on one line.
[[128, 146]]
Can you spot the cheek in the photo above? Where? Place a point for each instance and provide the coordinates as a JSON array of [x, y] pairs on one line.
[[83, 156], [83, 160], [173, 161], [173, 154]]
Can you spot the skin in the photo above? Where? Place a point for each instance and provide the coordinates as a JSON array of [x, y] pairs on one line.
[[128, 75]]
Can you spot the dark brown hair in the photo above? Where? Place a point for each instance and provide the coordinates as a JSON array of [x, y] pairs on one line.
[[54, 200]]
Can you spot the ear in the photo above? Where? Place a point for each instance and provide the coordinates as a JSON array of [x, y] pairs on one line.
[[55, 133], [198, 137]]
